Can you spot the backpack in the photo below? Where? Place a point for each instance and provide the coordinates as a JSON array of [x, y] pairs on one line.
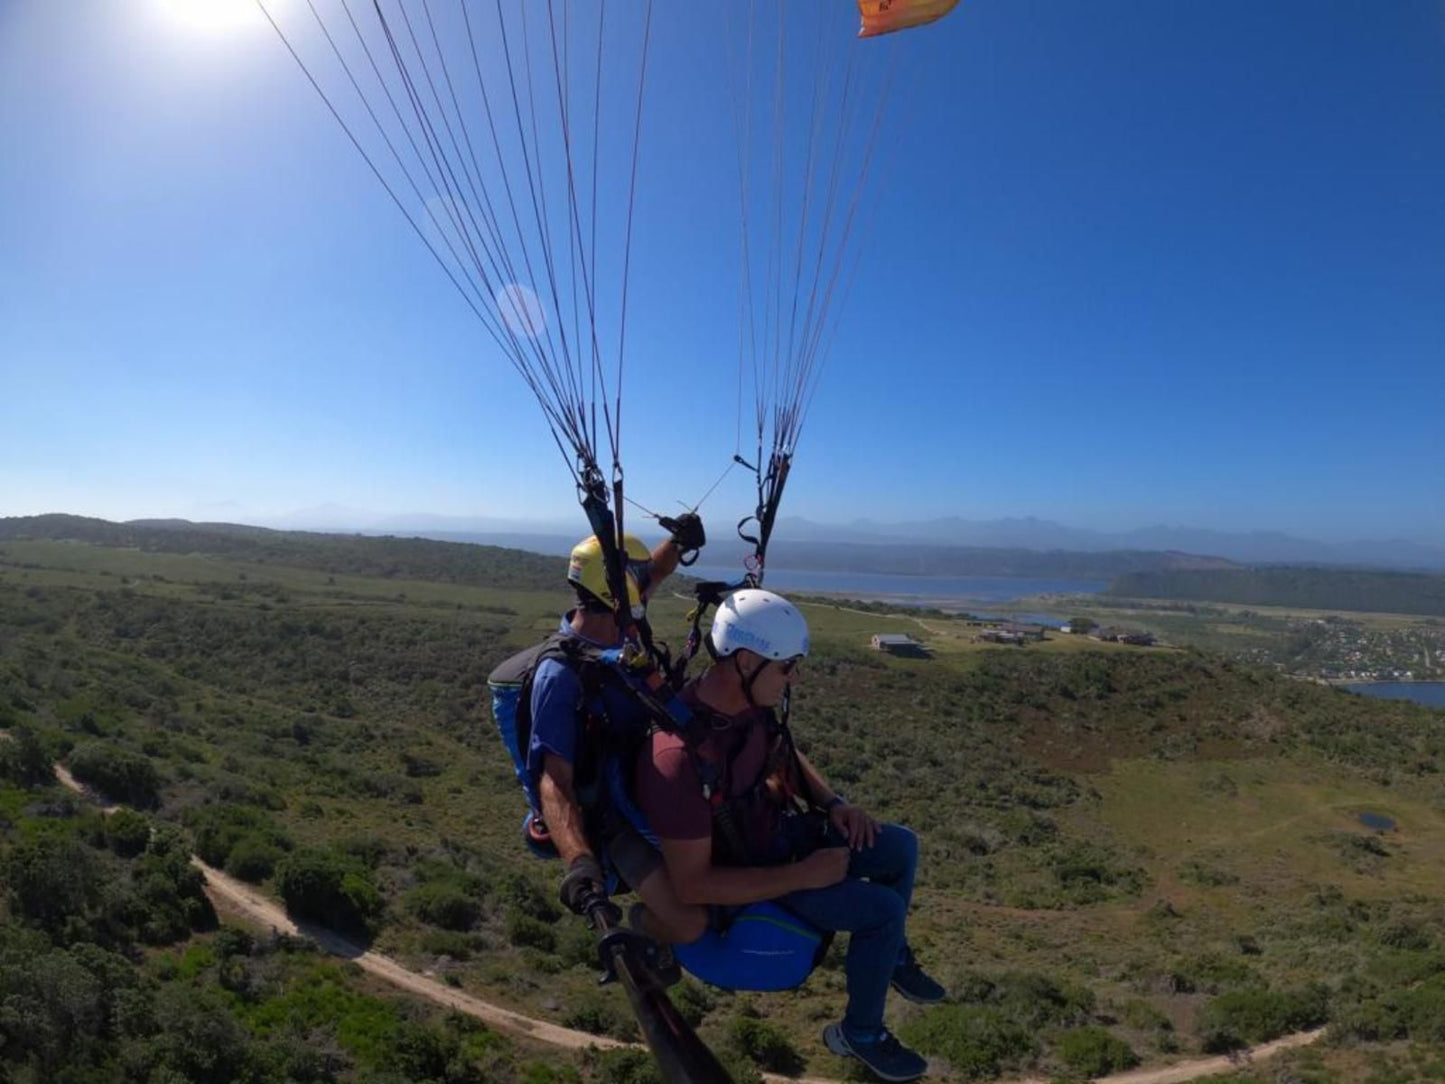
[[510, 684]]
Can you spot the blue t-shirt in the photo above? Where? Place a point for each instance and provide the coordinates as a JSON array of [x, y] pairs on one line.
[[557, 708]]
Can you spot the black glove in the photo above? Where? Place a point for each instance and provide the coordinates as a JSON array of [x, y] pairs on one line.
[[584, 879], [686, 530]]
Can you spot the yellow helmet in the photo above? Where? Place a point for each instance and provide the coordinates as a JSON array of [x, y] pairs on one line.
[[588, 570]]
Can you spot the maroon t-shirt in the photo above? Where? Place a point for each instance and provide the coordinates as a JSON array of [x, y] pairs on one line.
[[669, 791]]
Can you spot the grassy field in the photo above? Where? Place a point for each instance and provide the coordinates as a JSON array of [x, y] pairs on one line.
[[1154, 842], [839, 625]]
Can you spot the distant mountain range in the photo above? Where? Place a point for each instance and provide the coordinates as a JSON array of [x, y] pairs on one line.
[[1252, 547], [443, 558], [1025, 533], [894, 558], [830, 550]]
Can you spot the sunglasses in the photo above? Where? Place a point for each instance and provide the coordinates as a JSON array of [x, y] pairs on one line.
[[787, 666]]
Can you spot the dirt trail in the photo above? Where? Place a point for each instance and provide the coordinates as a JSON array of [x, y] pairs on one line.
[[70, 782], [1207, 1067], [240, 899]]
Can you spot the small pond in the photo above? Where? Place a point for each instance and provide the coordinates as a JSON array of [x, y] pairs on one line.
[[1378, 821]]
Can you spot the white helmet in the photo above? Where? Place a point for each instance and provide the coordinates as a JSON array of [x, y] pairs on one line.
[[760, 621]]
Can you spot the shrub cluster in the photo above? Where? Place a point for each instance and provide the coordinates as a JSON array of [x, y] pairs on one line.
[[977, 1040], [24, 761], [1236, 1019], [448, 897], [1093, 1051], [602, 1015], [998, 1018], [117, 773], [58, 884], [764, 1044], [327, 887], [243, 840]]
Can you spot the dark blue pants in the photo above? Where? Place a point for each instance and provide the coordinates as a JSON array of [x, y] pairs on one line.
[[874, 911]]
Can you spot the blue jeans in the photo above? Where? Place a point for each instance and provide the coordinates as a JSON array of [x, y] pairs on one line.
[[874, 911]]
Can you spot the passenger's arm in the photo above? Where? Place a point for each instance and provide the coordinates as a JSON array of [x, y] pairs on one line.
[[858, 827], [560, 809], [814, 784], [697, 881]]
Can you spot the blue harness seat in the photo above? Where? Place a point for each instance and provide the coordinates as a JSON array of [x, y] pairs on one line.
[[762, 947]]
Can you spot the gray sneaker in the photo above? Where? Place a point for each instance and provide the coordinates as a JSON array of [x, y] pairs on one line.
[[885, 1057]]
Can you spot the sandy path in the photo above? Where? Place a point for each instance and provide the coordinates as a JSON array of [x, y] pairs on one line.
[[240, 899], [69, 781], [1207, 1067]]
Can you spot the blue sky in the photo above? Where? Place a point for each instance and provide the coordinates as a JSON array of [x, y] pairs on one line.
[[1129, 263]]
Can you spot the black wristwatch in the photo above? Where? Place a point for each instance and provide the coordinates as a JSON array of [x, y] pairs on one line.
[[834, 802]]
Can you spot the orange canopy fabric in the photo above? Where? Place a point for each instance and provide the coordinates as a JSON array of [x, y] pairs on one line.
[[886, 16]]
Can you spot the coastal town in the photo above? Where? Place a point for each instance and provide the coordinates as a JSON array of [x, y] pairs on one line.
[[1344, 650]]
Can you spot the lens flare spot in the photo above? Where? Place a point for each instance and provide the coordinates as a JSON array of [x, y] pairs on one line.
[[521, 311]]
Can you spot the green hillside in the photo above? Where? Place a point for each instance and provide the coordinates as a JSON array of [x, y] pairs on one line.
[[1129, 854], [1299, 588], [360, 555]]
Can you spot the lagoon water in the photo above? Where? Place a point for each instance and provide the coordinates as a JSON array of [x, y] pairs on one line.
[[1429, 693], [910, 590]]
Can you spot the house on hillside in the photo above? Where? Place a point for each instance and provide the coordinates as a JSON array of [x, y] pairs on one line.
[[899, 644], [1113, 634], [1000, 636], [1025, 632]]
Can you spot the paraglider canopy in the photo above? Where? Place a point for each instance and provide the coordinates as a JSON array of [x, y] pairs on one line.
[[886, 16]]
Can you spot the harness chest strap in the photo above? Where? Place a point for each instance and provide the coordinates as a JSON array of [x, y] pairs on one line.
[[716, 780]]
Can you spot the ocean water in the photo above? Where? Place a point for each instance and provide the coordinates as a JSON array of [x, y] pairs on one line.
[[1429, 693], [941, 591]]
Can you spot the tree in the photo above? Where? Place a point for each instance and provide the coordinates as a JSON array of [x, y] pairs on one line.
[[201, 1039], [127, 832], [253, 859], [1093, 1051], [445, 904], [51, 1010], [170, 891], [117, 773], [330, 888], [244, 840], [52, 880], [23, 759]]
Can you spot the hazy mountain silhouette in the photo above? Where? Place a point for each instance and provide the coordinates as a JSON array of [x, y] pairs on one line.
[[952, 532]]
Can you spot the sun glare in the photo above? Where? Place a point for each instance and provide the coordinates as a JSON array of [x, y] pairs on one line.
[[213, 16]]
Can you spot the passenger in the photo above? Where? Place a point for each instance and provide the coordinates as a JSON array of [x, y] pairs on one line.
[[825, 860]]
